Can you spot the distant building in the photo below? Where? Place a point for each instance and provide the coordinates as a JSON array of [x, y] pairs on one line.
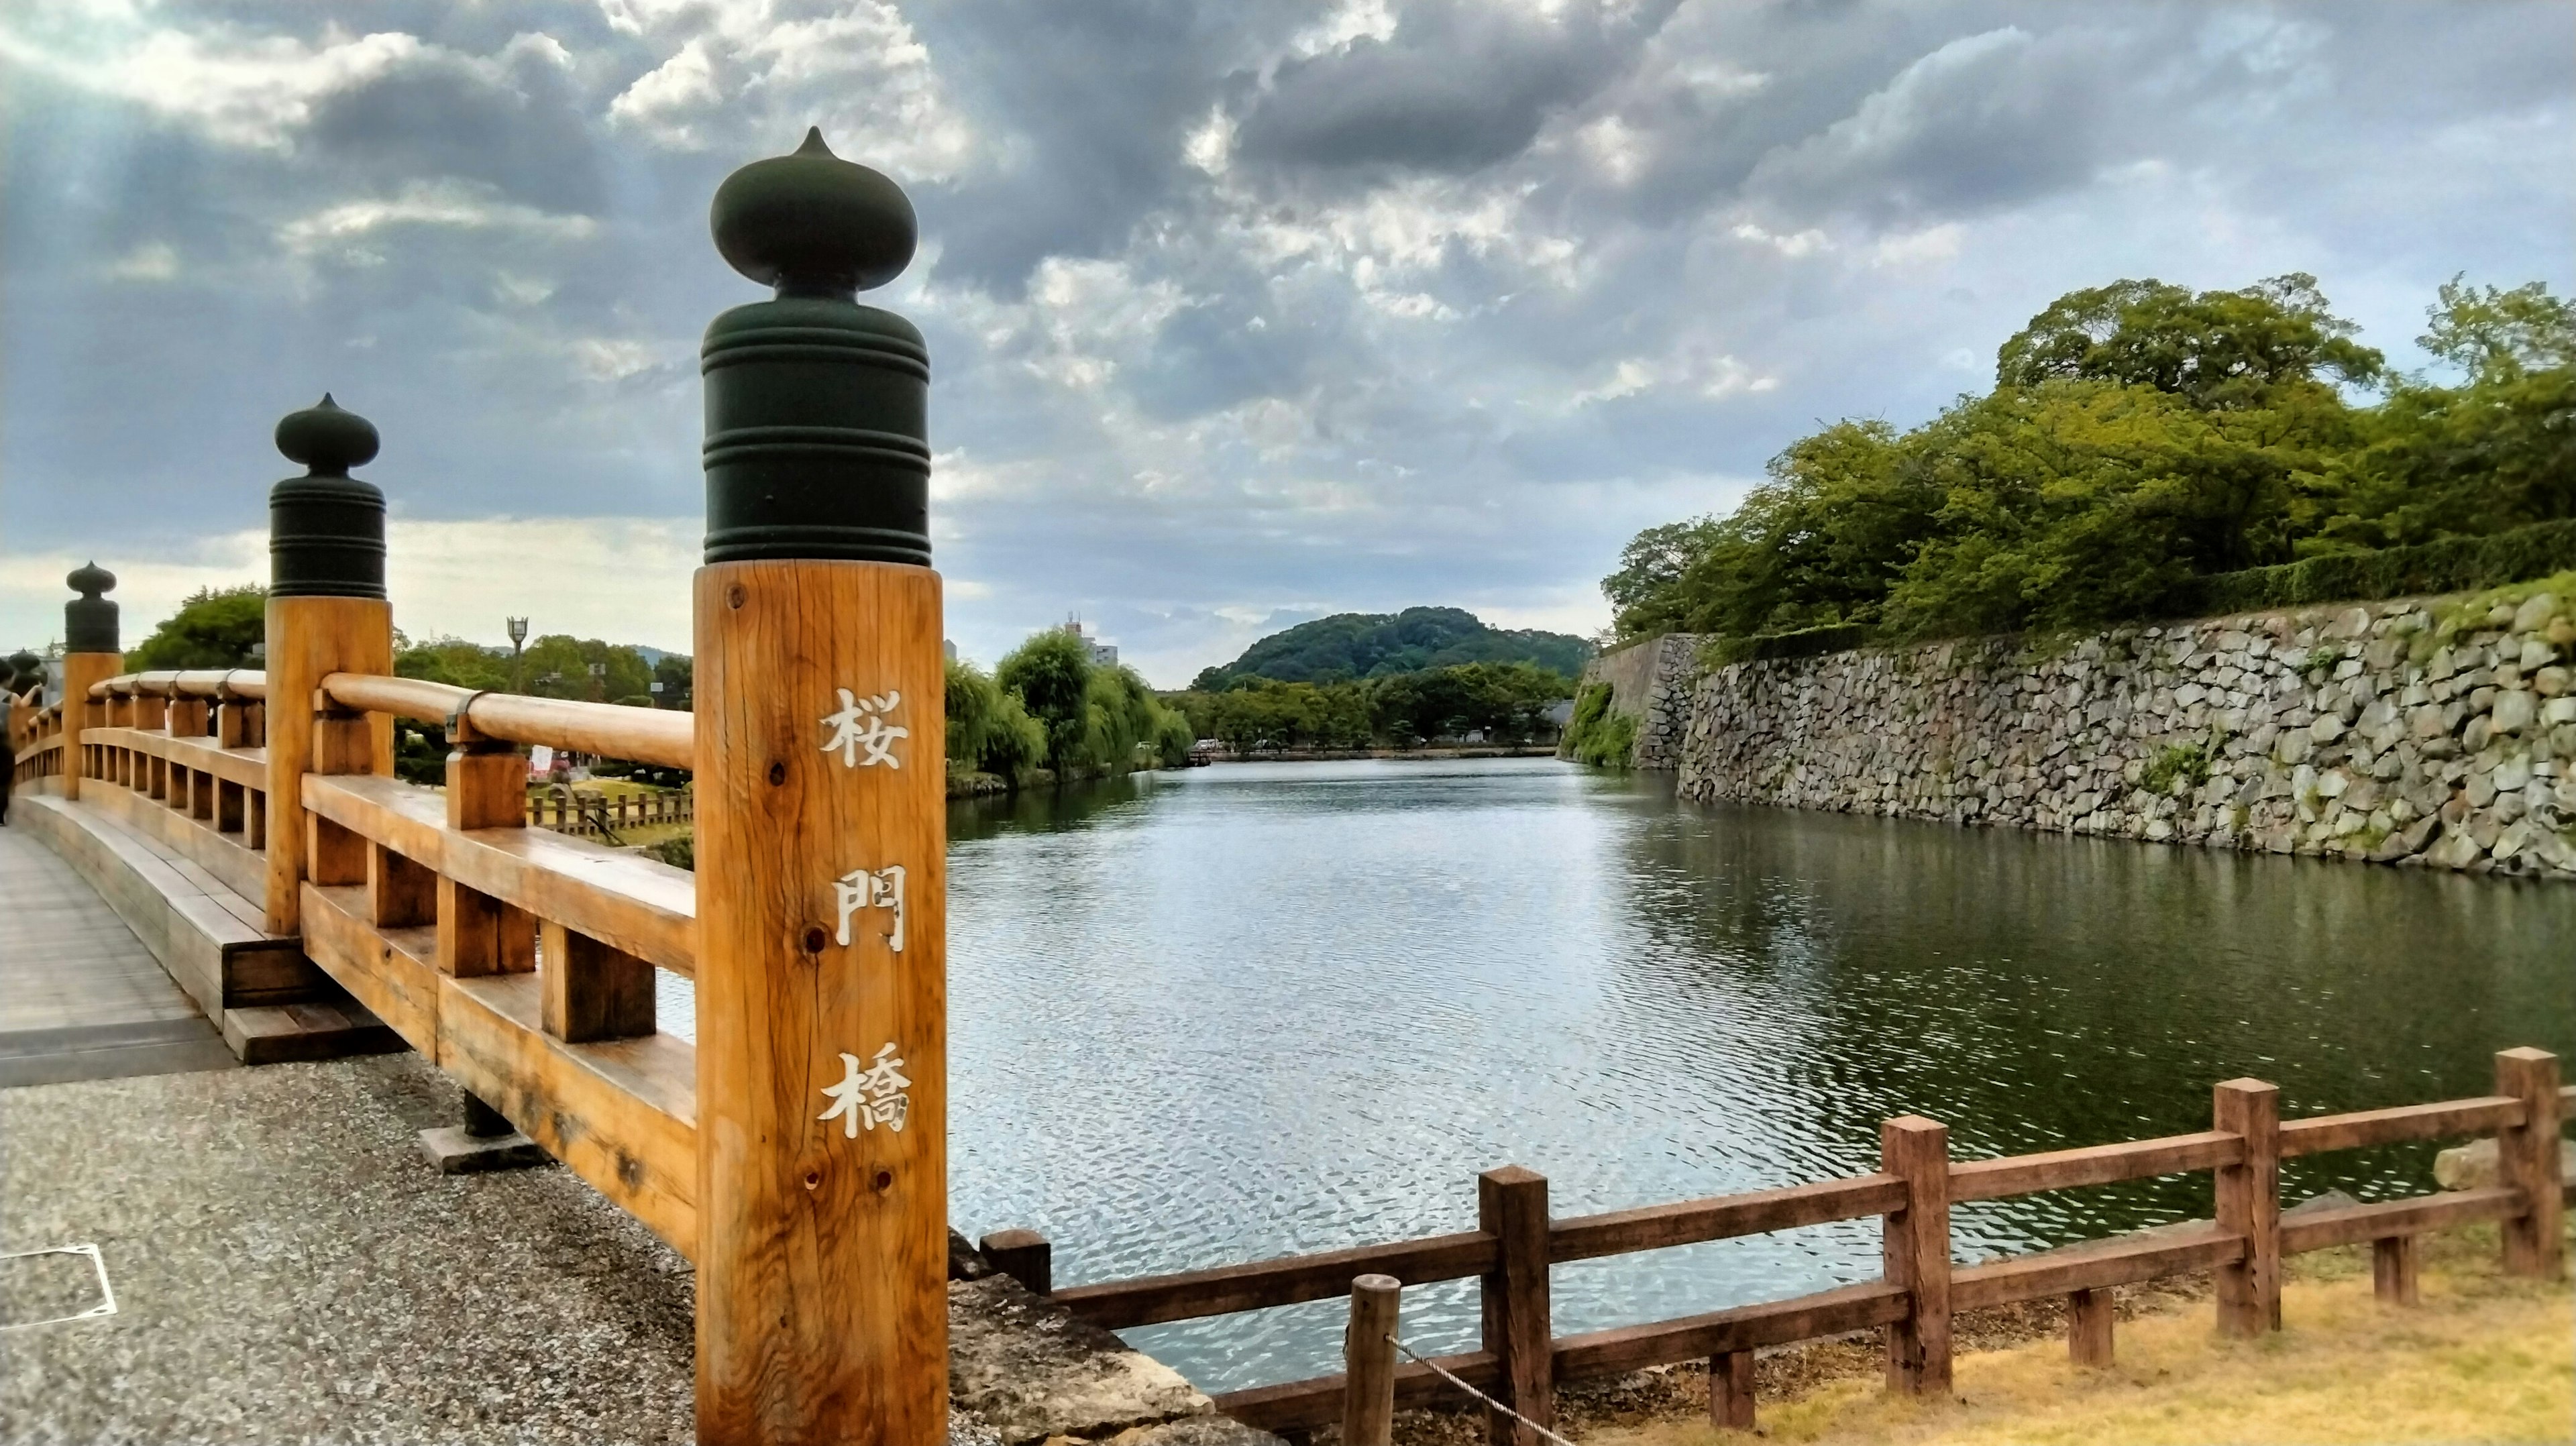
[[1103, 654], [948, 649]]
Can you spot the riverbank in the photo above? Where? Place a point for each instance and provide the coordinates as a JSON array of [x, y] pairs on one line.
[[2482, 1358]]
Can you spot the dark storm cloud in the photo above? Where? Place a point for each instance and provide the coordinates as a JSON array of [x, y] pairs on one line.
[[515, 121], [1984, 121], [1094, 99], [1458, 86]]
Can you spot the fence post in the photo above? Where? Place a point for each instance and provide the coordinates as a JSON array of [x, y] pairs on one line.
[[1368, 1361], [1511, 1206], [2392, 1270], [822, 1304], [1024, 1256], [2088, 1326], [90, 655], [326, 614], [2249, 1207], [1915, 1248], [2527, 1160], [1730, 1391]]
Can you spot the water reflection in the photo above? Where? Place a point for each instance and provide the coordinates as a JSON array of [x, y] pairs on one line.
[[1210, 1016]]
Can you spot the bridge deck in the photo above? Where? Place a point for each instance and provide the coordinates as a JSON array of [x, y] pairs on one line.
[[80, 996]]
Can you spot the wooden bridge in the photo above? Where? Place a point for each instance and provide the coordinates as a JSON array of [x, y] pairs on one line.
[[247, 827]]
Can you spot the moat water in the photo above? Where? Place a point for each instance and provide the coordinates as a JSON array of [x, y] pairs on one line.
[[1217, 1015]]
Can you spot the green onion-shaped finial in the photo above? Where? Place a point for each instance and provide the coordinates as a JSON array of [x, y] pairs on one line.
[[326, 529], [812, 224], [817, 437], [89, 621]]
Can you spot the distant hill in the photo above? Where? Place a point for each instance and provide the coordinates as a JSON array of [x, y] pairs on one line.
[[1373, 645]]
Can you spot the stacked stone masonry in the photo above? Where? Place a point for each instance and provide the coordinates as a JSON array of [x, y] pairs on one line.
[[1651, 681], [2363, 732]]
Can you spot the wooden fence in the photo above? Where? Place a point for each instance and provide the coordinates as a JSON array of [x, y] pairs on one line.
[[1520, 1360], [592, 815]]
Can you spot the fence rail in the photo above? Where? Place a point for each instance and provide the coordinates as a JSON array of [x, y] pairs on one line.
[[1520, 1362]]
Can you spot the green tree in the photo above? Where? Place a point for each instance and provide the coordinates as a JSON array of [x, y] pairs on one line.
[[1349, 646], [213, 628], [2214, 349], [988, 730]]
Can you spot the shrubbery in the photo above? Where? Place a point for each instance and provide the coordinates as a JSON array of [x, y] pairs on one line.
[[2149, 451], [1599, 734]]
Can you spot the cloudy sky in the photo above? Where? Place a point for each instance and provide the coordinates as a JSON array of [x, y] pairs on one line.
[[1240, 312]]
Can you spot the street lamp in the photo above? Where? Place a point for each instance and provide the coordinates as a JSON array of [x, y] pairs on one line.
[[518, 639]]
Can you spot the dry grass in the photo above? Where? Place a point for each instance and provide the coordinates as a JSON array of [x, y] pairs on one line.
[[2484, 1358]]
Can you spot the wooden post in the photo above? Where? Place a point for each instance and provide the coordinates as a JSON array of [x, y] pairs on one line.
[[486, 788], [2249, 1207], [1368, 1361], [326, 614], [1511, 1206], [1915, 1248], [2088, 1326], [2392, 1270], [1024, 1256], [591, 990], [90, 655], [2527, 1160], [1730, 1390], [822, 1250]]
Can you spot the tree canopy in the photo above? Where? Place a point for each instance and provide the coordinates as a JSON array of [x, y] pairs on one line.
[[2138, 435], [1507, 702], [1348, 646], [215, 627]]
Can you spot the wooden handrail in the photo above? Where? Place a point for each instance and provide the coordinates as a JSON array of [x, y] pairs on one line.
[[2094, 1165], [611, 730], [2441, 1119], [1723, 1217], [1260, 1284]]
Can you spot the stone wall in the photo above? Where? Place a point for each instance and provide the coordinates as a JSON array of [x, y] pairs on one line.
[[1651, 682], [2438, 731]]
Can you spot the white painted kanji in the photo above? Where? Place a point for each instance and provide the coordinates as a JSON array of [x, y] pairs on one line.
[[862, 726], [865, 1099], [870, 889]]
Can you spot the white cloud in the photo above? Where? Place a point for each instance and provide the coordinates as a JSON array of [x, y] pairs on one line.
[[345, 228], [152, 261]]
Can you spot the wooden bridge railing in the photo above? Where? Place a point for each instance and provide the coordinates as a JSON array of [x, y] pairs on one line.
[[797, 1151], [1519, 1360]]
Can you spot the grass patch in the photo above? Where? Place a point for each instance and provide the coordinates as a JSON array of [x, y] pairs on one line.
[[2485, 1358]]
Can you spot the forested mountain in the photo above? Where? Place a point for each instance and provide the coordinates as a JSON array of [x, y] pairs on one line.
[[1348, 646]]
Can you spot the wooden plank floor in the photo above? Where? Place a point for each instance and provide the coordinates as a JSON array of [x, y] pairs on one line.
[[80, 997]]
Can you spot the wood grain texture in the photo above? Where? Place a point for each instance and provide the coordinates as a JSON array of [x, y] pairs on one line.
[[611, 730], [1746, 1327], [2094, 1265], [1368, 1362], [822, 1305], [2527, 1160], [1730, 1391], [2442, 1119], [1147, 1300], [2089, 1327], [2324, 1229], [1722, 1217], [310, 638], [1915, 1246], [617, 1113], [393, 972], [1511, 1206], [591, 991], [643, 906], [2249, 1207], [80, 671], [2394, 1279]]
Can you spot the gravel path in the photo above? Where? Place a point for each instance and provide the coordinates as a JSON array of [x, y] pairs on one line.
[[288, 1267]]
